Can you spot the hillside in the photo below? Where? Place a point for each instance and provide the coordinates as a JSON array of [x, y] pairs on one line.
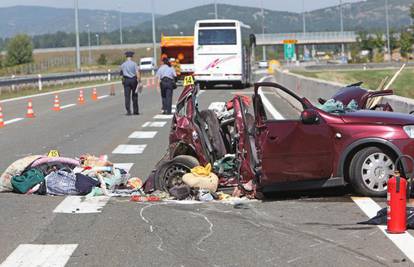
[[35, 20]]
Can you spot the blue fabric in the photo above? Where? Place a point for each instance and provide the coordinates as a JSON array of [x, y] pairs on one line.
[[61, 183], [166, 71], [129, 69]]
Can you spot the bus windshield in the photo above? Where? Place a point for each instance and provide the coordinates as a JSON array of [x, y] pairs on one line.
[[217, 37]]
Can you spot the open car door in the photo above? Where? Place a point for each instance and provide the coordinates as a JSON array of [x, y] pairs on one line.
[[291, 149]]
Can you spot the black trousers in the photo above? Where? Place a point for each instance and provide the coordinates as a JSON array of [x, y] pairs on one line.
[[130, 86], [166, 96]]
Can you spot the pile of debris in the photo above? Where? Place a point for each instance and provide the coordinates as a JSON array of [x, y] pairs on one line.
[[86, 175]]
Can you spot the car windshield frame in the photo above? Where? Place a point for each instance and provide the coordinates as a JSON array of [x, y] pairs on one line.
[[217, 37]]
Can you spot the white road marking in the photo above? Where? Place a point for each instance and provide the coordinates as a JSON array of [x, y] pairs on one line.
[[143, 135], [13, 121], [27, 255], [81, 204], [201, 92], [55, 92], [163, 117], [405, 242], [103, 96], [146, 124], [276, 115], [125, 166], [129, 149], [155, 124], [67, 106]]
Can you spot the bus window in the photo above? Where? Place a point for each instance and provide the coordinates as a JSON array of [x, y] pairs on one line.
[[217, 37]]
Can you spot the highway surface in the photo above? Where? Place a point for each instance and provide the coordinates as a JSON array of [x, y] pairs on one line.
[[300, 229]]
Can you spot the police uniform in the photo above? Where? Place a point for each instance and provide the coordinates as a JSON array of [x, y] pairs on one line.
[[129, 70], [166, 74]]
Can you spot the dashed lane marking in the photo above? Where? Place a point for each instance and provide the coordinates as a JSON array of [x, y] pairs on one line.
[[27, 255], [405, 242], [125, 166], [103, 96], [155, 124], [142, 135], [81, 204], [129, 149], [67, 106], [13, 121], [163, 117]]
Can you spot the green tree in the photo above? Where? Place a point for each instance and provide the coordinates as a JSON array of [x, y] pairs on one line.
[[102, 60], [406, 43], [19, 50], [412, 11]]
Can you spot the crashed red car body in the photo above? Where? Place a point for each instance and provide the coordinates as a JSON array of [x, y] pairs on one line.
[[316, 150]]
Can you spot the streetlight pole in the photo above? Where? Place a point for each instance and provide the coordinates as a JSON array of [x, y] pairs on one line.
[[215, 9], [342, 28], [263, 31], [304, 26], [153, 32], [78, 63], [121, 38], [388, 30], [89, 44]]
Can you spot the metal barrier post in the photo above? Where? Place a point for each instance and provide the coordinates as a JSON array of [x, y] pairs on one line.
[[109, 75], [13, 86], [40, 82]]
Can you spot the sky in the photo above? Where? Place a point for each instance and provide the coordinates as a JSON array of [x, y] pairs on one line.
[[169, 6]]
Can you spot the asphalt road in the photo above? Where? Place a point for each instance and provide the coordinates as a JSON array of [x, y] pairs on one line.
[[315, 228]]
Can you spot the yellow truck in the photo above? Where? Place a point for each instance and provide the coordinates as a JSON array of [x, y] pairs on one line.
[[180, 51]]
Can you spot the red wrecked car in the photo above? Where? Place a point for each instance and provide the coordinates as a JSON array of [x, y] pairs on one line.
[[309, 148]]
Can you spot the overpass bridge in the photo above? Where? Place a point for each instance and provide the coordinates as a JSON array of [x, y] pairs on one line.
[[308, 38]]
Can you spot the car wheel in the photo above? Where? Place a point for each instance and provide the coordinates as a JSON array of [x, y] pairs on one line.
[[172, 172], [370, 170]]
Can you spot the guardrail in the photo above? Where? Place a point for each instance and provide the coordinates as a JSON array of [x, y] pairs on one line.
[[14, 84]]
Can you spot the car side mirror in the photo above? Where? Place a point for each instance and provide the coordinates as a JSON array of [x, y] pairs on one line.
[[310, 116]]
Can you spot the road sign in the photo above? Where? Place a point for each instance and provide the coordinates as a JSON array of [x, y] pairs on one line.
[[289, 51], [188, 80], [53, 154]]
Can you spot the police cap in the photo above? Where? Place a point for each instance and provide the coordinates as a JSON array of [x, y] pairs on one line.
[[129, 54]]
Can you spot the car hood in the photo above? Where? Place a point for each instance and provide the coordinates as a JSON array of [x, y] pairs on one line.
[[378, 117]]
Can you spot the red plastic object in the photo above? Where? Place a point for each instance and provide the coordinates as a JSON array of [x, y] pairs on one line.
[[396, 205]]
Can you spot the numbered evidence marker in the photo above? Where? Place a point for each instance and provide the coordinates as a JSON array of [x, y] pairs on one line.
[[188, 80], [53, 154]]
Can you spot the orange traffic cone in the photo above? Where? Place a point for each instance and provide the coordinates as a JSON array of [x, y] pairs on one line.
[[30, 113], [81, 99], [153, 81], [148, 82], [94, 95], [1, 118], [56, 103]]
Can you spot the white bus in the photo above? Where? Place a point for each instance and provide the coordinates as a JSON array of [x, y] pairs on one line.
[[219, 55]]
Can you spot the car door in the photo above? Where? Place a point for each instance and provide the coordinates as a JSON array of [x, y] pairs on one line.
[[291, 148]]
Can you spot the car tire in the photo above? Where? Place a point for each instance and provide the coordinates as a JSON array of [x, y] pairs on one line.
[[171, 172], [370, 170]]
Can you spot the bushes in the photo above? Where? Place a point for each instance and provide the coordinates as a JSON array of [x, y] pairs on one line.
[[19, 50], [102, 60]]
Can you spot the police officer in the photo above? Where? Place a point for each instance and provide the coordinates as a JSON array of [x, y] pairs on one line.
[[166, 75], [130, 79]]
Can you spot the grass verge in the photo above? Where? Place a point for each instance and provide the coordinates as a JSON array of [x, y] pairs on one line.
[[403, 86], [33, 91]]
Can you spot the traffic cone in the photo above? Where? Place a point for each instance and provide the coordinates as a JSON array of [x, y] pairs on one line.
[[148, 82], [94, 95], [1, 118], [153, 81], [30, 112], [81, 99], [56, 103], [112, 92]]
